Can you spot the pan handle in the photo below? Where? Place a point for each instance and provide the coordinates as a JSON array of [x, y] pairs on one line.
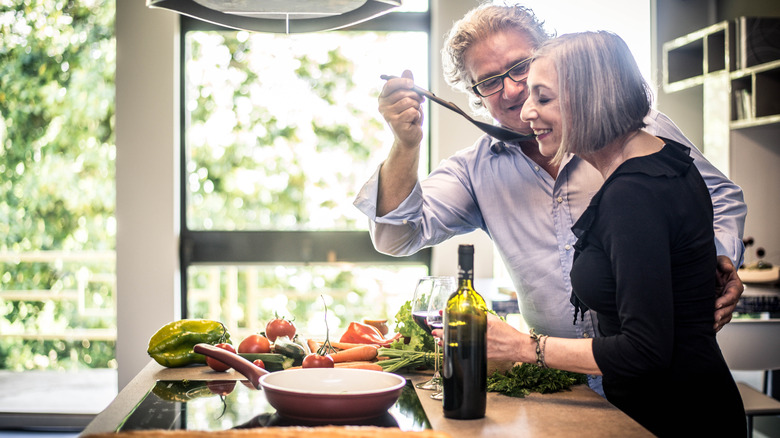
[[249, 370]]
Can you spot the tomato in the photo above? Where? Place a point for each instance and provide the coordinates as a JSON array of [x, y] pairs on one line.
[[217, 365], [255, 344], [221, 387], [259, 363], [315, 360], [279, 327]]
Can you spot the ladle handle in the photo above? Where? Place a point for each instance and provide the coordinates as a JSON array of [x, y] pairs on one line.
[[249, 370], [435, 98]]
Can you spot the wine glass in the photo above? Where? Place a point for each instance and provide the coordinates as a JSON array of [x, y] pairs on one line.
[[427, 288], [436, 304]]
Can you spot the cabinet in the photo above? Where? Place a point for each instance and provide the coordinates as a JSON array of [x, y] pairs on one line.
[[730, 73]]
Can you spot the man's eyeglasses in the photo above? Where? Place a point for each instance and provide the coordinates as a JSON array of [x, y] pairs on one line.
[[494, 84]]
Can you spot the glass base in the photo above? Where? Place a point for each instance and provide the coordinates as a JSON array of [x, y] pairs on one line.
[[430, 385]]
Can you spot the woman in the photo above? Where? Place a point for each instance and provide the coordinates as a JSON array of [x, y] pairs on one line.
[[645, 252]]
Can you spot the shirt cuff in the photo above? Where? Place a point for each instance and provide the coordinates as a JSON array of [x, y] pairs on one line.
[[409, 209], [731, 247]]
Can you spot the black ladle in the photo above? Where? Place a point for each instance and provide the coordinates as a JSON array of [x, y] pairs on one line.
[[498, 132]]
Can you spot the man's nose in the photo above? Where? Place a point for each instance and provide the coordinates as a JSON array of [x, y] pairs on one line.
[[512, 88]]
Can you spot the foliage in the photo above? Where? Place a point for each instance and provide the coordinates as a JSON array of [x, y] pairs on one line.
[[525, 378], [57, 170], [267, 148], [278, 124]]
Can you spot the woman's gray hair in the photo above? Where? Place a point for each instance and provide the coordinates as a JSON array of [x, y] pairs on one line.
[[478, 24], [601, 91]]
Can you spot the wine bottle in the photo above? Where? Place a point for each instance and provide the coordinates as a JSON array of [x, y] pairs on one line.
[[464, 373]]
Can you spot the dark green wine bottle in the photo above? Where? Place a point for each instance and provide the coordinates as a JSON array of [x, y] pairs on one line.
[[464, 373]]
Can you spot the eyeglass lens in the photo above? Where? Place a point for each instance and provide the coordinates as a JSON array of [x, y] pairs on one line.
[[495, 84]]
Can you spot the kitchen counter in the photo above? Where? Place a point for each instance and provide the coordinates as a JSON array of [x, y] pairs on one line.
[[563, 414]]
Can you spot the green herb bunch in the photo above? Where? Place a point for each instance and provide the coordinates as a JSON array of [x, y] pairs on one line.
[[413, 337], [524, 379]]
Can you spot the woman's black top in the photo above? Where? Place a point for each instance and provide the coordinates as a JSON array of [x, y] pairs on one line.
[[645, 262]]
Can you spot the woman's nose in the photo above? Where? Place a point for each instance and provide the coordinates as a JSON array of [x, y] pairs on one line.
[[527, 113]]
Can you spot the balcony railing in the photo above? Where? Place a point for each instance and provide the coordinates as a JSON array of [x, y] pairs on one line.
[[80, 274]]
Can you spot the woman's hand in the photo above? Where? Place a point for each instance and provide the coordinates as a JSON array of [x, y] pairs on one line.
[[504, 342]]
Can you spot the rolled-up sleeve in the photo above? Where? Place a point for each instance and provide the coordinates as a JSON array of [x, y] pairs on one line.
[[393, 233]]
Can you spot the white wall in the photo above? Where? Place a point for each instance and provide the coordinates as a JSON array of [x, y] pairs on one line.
[[450, 134], [146, 179]]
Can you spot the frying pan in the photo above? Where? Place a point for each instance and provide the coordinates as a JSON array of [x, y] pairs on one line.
[[334, 395]]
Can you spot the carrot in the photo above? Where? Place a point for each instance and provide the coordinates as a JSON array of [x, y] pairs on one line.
[[348, 345], [362, 365], [313, 345], [361, 353]]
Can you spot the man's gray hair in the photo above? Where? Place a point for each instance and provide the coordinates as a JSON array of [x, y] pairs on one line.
[[478, 24]]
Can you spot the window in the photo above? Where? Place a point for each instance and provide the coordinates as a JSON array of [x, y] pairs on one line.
[[280, 132], [57, 205], [57, 227]]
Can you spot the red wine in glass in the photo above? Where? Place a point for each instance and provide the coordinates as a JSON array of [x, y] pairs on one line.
[[421, 318]]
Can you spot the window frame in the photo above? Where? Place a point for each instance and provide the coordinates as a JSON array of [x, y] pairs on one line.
[[199, 247]]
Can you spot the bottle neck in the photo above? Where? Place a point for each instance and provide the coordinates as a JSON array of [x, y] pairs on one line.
[[466, 279]]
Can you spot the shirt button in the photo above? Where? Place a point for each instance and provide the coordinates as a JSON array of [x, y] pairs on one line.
[[560, 199], [585, 335], [405, 221], [567, 247], [536, 168]]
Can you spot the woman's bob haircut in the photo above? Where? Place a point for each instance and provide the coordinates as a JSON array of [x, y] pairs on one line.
[[602, 93]]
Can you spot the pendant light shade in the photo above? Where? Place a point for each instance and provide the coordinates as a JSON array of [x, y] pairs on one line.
[[279, 16]]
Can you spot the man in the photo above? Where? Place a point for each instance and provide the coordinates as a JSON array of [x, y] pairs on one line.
[[508, 189]]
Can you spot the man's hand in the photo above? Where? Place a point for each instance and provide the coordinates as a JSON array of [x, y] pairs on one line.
[[402, 109], [729, 290]]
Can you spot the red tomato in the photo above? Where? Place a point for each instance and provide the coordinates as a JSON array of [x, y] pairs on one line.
[[279, 327], [259, 363], [314, 360], [255, 344], [221, 387], [217, 365]]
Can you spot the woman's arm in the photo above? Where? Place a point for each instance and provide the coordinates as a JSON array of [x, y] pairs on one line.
[[505, 343]]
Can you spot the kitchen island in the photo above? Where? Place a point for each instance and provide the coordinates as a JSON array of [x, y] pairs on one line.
[[579, 412]]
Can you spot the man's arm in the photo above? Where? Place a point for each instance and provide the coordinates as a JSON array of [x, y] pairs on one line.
[[729, 221], [728, 201], [401, 108]]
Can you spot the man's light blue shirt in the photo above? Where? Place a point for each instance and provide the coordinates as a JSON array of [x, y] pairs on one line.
[[495, 187]]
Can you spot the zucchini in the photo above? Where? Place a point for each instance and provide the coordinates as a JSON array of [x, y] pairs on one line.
[[302, 342], [272, 362], [283, 345]]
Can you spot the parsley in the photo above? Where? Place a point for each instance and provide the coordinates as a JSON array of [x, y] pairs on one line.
[[525, 378]]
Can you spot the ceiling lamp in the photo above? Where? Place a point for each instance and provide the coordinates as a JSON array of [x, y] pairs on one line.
[[279, 16]]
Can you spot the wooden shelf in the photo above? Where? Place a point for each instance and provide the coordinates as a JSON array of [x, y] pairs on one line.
[[689, 59], [746, 47], [755, 95]]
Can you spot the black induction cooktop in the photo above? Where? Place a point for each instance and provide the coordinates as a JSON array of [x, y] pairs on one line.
[[234, 404]]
